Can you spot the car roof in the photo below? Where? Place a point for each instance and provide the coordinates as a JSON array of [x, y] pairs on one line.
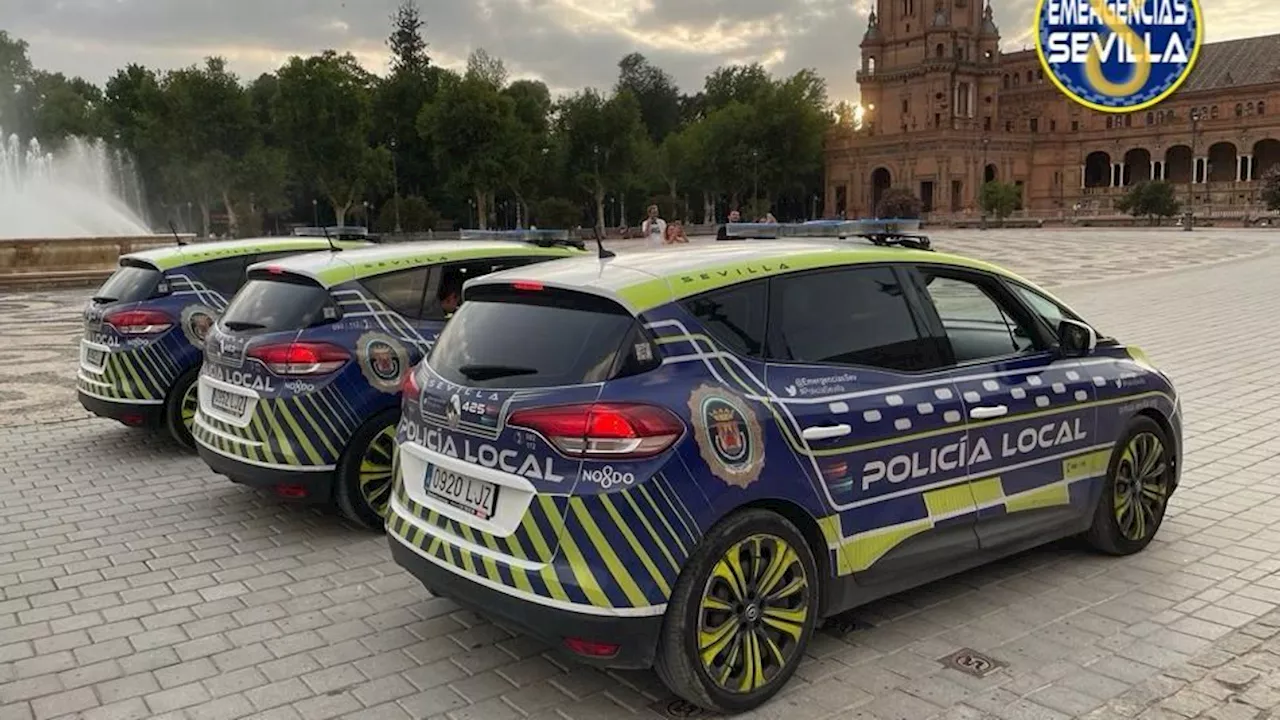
[[330, 269], [643, 281], [174, 256]]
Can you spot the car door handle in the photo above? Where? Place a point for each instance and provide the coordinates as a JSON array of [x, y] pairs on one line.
[[826, 432], [988, 412]]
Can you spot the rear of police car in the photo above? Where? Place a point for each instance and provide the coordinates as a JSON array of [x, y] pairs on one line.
[[134, 346], [283, 389], [539, 470]]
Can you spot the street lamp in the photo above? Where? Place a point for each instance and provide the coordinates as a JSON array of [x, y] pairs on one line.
[[471, 204], [1191, 180], [395, 182], [755, 170], [315, 212], [986, 142], [366, 214]]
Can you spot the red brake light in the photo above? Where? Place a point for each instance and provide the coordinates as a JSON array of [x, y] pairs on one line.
[[410, 385], [527, 285], [138, 322], [604, 430], [301, 358], [275, 270]]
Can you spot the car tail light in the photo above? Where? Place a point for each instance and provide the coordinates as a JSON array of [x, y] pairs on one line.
[[410, 385], [604, 430], [301, 358], [138, 322], [527, 285]]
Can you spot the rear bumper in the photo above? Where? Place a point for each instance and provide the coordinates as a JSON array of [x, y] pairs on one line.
[[305, 486], [637, 637], [133, 413]]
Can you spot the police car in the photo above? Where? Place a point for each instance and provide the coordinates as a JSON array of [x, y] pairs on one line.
[[689, 461], [144, 329], [300, 391]]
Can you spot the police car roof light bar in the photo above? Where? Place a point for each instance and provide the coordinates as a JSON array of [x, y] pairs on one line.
[[541, 238], [334, 232], [884, 233]]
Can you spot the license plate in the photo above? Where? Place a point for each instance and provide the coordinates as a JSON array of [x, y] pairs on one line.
[[229, 402], [94, 358], [477, 497]]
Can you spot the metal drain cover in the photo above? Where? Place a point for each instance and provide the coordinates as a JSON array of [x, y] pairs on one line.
[[972, 662]]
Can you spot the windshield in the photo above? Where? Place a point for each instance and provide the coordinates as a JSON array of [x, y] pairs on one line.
[[513, 343], [274, 305], [131, 283]]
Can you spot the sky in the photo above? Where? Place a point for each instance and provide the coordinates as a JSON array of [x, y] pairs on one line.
[[568, 44]]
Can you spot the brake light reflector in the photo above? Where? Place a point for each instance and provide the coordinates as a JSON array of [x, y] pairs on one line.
[[410, 385], [300, 358], [138, 322], [591, 648], [604, 430]]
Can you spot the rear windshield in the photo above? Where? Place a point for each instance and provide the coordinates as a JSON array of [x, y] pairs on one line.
[[538, 339], [131, 283], [274, 305]]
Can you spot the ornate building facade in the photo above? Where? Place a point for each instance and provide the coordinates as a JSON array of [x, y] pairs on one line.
[[945, 111]]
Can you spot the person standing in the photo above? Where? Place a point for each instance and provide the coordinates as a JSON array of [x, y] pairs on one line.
[[654, 228]]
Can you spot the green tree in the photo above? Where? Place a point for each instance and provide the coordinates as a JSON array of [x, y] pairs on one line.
[[15, 83], [899, 203], [62, 107], [1271, 188], [602, 141], [322, 116], [400, 97], [1153, 200], [556, 213], [408, 46], [656, 93], [415, 215], [999, 199], [736, 83], [133, 112], [474, 132]]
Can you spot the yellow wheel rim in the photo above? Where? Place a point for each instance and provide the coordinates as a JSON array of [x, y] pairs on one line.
[[753, 613], [190, 404], [1141, 487], [375, 470]]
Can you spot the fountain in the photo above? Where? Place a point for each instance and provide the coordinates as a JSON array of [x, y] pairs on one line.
[[84, 190], [66, 216]]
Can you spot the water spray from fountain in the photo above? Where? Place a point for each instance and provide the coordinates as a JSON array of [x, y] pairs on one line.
[[85, 189]]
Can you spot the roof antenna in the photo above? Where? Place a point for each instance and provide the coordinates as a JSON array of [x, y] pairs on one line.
[[175, 235], [332, 247], [603, 253]]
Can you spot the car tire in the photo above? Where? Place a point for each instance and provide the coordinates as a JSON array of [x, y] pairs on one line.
[[362, 488], [1135, 492], [706, 611], [180, 408]]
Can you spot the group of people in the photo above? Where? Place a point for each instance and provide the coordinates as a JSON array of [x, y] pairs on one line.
[[660, 232]]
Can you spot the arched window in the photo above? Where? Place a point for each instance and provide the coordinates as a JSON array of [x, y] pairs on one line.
[[1213, 113], [1248, 109], [871, 64], [1110, 122], [1006, 82], [1151, 118], [1029, 77], [1262, 108], [1128, 121], [1040, 74], [1239, 110], [1016, 79], [939, 50]]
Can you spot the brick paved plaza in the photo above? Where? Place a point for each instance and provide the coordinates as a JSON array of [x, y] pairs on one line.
[[134, 583]]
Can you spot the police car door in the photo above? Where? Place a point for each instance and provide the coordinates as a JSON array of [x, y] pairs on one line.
[[1029, 411], [879, 428]]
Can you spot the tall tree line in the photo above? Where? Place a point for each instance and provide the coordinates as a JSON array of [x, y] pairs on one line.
[[323, 140]]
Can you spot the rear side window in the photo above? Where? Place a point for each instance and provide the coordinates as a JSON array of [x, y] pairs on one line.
[[279, 304], [541, 338], [734, 317], [401, 291], [854, 316], [226, 276], [131, 283], [445, 289]]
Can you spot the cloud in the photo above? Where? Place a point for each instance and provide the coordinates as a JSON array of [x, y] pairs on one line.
[[567, 43]]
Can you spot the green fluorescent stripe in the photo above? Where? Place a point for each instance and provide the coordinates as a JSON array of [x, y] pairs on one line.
[[324, 436], [657, 539], [301, 436], [636, 548], [663, 519], [358, 265]]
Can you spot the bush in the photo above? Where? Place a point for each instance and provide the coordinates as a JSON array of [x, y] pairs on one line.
[[1271, 188], [415, 215], [555, 213], [1154, 200], [899, 203], [1000, 199]]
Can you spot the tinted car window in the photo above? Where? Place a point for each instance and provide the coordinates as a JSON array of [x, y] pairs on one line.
[[734, 317], [562, 338], [976, 324], [225, 275], [131, 283], [400, 291], [856, 316], [274, 305]]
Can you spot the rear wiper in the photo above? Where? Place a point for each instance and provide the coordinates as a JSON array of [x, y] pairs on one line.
[[103, 300], [491, 372], [238, 325]]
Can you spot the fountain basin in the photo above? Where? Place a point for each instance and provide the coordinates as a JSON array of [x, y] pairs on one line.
[[63, 262]]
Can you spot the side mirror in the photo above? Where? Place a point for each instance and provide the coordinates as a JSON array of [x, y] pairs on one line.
[[1075, 339]]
